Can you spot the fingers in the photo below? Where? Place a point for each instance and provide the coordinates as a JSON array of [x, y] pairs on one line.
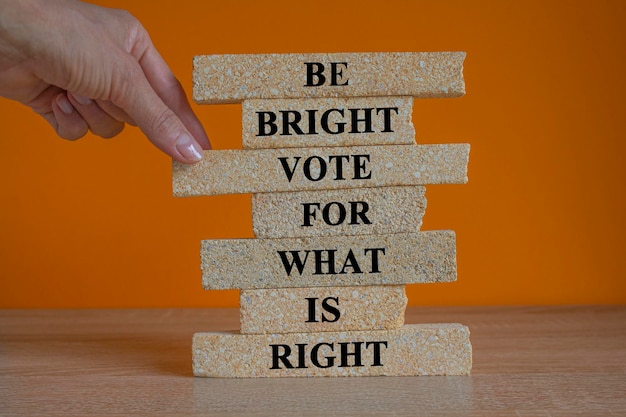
[[99, 122], [73, 115], [131, 84], [53, 105], [115, 112], [68, 123]]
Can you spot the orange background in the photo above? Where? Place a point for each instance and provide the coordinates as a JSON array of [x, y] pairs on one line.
[[93, 223]]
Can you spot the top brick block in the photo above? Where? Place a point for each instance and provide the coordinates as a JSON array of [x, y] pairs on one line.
[[234, 78]]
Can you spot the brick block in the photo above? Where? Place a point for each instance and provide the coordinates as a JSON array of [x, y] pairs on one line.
[[233, 78], [401, 258], [344, 121], [418, 349], [322, 309], [355, 211], [298, 169]]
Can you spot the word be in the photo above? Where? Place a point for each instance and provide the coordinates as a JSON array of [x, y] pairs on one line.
[[281, 354], [315, 74]]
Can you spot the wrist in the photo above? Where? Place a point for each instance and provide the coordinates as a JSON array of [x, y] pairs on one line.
[[22, 23]]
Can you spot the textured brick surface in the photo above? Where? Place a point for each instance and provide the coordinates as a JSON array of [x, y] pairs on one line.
[[418, 349], [274, 263], [353, 211], [269, 170], [322, 309], [233, 78], [345, 121]]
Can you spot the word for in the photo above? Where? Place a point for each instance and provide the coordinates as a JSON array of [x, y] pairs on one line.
[[281, 354], [315, 74], [335, 213], [359, 120], [325, 262], [333, 310], [315, 168]]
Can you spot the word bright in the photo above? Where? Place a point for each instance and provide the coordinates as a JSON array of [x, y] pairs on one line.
[[331, 121]]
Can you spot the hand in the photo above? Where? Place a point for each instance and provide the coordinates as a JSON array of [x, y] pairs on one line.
[[84, 67]]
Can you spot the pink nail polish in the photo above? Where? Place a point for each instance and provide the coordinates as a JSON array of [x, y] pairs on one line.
[[64, 104], [188, 148]]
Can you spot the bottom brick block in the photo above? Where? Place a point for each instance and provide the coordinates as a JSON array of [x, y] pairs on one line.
[[416, 349]]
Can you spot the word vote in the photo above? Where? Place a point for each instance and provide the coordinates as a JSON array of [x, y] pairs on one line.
[[316, 168]]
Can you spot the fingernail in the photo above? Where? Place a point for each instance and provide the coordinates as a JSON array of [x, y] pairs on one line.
[[64, 104], [188, 148], [81, 99]]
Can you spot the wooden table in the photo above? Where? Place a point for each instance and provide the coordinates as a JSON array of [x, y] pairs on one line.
[[536, 361]]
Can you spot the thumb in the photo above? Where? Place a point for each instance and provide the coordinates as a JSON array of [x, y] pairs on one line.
[[152, 96], [160, 123], [167, 132]]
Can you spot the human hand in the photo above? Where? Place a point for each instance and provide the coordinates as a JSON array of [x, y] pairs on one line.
[[84, 67]]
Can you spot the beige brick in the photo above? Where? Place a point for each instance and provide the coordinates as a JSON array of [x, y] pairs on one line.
[[297, 214], [233, 78], [322, 309], [401, 258], [327, 122], [297, 169], [417, 349]]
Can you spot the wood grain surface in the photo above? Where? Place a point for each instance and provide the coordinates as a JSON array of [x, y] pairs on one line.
[[532, 361]]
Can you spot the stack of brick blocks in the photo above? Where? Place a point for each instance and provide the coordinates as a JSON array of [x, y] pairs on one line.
[[337, 185]]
